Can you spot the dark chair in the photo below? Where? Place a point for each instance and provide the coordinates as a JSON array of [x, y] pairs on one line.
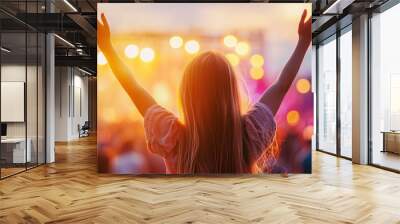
[[84, 130]]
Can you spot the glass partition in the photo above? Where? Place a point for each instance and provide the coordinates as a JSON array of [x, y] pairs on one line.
[[385, 89], [14, 153], [327, 96], [346, 93], [22, 91], [31, 99]]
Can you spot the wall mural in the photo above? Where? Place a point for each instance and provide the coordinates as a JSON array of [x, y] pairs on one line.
[[204, 88]]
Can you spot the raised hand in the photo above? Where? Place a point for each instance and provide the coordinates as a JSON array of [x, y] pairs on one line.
[[103, 34], [274, 95], [142, 99], [304, 29]]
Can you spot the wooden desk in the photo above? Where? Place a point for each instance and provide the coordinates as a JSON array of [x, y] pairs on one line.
[[16, 148], [391, 141]]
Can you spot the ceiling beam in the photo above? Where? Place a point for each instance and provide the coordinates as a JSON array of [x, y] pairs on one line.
[[84, 24], [338, 6], [81, 61]]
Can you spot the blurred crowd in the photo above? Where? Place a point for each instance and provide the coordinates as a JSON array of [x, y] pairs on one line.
[[158, 60]]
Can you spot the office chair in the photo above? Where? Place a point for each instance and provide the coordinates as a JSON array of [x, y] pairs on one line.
[[84, 130]]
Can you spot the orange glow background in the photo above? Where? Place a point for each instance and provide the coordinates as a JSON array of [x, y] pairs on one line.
[[157, 40]]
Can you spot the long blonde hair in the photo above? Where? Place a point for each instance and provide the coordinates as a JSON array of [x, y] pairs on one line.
[[212, 140]]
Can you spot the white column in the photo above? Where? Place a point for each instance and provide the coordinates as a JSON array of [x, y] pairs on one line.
[[50, 92], [360, 90], [50, 99], [62, 103]]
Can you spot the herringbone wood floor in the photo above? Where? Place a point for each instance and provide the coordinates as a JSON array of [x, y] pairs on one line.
[[71, 191]]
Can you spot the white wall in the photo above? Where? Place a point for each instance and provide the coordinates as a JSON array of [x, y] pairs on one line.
[[33, 126], [61, 103], [71, 102], [81, 103], [12, 73]]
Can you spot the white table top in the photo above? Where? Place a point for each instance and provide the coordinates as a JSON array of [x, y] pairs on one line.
[[13, 140]]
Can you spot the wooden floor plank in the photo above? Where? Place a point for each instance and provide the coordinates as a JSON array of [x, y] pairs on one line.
[[71, 191]]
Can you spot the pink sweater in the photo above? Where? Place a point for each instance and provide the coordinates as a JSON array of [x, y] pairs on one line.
[[162, 132]]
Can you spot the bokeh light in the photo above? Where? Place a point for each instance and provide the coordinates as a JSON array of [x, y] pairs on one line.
[[161, 93], [131, 51], [101, 59], [303, 86], [293, 117], [242, 48], [308, 132], [233, 59], [256, 73], [230, 41], [147, 54], [192, 46], [176, 42], [257, 60], [112, 115]]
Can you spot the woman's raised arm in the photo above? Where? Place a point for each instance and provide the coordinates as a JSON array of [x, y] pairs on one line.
[[139, 96], [273, 96]]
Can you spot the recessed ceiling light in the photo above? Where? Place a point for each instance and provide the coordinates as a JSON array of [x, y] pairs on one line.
[[5, 50], [70, 5], [64, 40], [84, 71]]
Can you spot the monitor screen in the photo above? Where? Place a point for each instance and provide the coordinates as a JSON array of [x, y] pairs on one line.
[[3, 129]]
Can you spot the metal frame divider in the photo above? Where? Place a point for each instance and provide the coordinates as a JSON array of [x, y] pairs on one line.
[[316, 96], [338, 100]]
